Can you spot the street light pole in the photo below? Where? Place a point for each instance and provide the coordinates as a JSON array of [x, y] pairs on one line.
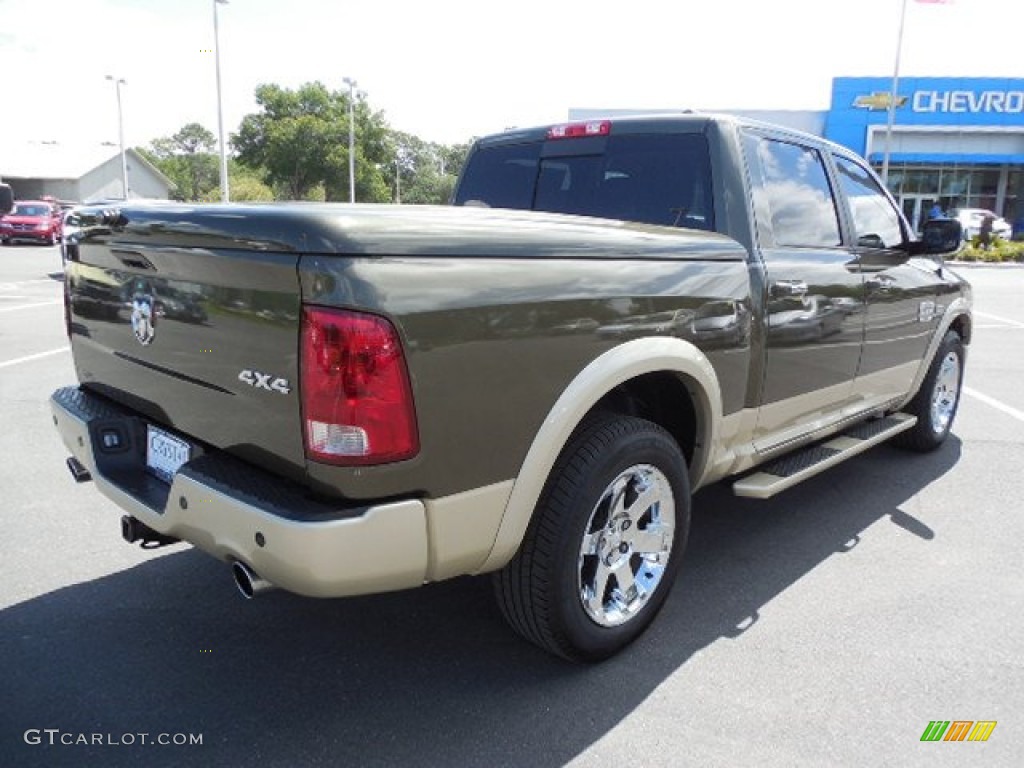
[[351, 138], [398, 176], [224, 191], [118, 82]]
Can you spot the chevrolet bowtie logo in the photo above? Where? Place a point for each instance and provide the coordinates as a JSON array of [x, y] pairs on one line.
[[878, 100]]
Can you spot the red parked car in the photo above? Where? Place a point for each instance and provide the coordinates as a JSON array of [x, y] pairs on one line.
[[34, 220]]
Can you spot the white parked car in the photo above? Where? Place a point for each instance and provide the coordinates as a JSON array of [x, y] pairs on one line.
[[970, 219]]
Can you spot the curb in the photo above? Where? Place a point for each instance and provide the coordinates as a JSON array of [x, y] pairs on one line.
[[989, 264]]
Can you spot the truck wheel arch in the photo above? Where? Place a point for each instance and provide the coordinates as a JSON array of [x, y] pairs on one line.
[[957, 318], [618, 366]]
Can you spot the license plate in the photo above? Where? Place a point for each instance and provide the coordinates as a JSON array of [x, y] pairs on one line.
[[164, 453]]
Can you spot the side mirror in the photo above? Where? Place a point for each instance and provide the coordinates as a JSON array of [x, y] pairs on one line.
[[941, 237], [6, 199], [870, 241]]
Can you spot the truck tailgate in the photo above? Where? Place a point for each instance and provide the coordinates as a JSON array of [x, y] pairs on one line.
[[201, 341]]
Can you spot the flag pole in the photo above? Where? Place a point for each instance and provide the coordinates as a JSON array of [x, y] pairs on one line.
[[892, 97]]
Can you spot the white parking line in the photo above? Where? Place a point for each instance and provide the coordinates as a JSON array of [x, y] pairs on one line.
[[997, 318], [29, 306], [16, 286], [30, 358], [991, 401]]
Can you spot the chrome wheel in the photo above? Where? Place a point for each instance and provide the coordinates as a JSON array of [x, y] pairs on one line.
[[935, 403], [605, 543], [626, 545], [945, 393]]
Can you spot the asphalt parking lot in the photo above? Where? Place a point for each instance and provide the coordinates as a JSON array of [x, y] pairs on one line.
[[827, 626]]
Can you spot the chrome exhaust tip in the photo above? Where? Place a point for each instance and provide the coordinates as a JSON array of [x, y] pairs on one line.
[[249, 583]]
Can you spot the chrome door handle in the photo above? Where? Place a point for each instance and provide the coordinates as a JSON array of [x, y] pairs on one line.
[[783, 288]]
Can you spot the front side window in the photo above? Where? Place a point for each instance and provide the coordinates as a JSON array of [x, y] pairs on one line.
[[800, 201], [876, 223]]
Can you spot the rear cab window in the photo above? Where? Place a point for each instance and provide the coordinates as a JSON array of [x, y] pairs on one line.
[[653, 178]]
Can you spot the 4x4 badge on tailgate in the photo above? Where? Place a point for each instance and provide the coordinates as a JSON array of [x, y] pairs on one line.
[[265, 381]]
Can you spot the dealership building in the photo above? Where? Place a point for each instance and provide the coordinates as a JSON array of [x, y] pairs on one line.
[[958, 142]]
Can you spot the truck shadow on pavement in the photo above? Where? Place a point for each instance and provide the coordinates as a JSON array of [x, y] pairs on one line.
[[421, 678]]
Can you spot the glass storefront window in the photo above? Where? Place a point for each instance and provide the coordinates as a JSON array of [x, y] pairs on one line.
[[985, 182], [1013, 208], [1015, 183], [955, 183], [957, 186], [895, 180], [921, 181]]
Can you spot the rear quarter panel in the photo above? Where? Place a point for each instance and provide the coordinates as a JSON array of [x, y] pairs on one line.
[[493, 342]]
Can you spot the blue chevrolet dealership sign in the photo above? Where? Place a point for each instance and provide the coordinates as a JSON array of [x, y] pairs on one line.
[[931, 104]]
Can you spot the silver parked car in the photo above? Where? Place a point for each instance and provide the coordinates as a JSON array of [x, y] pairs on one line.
[[970, 219]]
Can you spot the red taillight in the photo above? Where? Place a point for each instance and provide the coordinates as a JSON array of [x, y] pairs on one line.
[[580, 130], [356, 398]]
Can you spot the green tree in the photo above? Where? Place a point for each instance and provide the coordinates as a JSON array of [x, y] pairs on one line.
[[189, 159], [428, 170], [298, 141], [246, 186], [297, 144], [454, 157]]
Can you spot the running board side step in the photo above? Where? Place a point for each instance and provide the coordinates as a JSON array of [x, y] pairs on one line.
[[796, 467]]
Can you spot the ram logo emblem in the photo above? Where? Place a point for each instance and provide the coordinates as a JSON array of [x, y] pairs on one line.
[[267, 381], [143, 319]]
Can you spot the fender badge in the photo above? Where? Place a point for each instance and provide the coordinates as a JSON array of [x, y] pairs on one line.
[[926, 311]]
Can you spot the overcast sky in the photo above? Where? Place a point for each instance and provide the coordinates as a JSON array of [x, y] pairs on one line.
[[447, 70]]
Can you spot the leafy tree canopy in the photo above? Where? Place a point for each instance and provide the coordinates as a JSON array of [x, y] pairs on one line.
[[427, 170], [295, 147], [189, 159], [246, 185], [299, 141]]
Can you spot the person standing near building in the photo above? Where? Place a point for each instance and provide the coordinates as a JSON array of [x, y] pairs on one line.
[[985, 231], [936, 212]]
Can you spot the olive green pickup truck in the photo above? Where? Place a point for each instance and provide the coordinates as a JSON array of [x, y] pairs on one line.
[[347, 399]]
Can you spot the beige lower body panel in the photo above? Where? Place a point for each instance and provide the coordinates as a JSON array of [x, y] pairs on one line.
[[384, 548], [462, 528], [751, 442]]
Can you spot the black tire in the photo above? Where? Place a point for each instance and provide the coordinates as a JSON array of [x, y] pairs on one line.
[[541, 591], [936, 402]]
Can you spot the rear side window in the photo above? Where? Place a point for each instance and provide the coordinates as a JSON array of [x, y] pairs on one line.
[[802, 206], [660, 179]]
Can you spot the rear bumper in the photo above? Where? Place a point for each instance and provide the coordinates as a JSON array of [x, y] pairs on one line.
[[236, 512]]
